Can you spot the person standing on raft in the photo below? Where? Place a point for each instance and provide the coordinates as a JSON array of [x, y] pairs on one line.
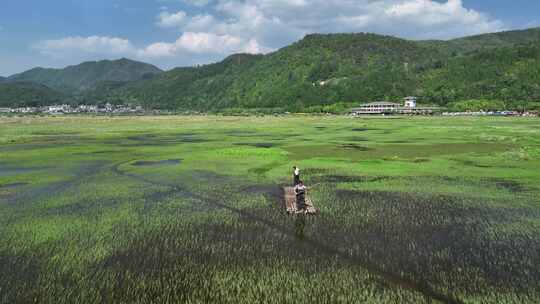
[[300, 191], [296, 176]]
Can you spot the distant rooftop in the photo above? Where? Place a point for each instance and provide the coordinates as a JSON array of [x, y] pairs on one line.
[[380, 103]]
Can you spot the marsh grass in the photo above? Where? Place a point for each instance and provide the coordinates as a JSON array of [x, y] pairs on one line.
[[94, 211]]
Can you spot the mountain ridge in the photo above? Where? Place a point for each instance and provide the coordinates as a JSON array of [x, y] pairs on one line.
[[28, 94], [326, 69], [76, 78], [323, 70]]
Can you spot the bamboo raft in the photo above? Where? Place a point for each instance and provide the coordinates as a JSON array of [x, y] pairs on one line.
[[290, 203]]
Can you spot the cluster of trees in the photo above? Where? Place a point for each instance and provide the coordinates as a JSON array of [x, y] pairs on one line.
[[75, 79], [28, 94], [511, 75], [324, 73], [475, 105]]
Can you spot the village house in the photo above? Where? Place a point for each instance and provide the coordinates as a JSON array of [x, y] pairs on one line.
[[69, 109], [87, 109], [61, 109], [409, 107], [410, 102], [380, 107], [25, 110]]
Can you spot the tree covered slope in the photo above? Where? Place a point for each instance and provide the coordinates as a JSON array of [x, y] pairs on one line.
[[352, 68], [320, 70], [510, 74], [203, 87], [28, 94], [77, 78]]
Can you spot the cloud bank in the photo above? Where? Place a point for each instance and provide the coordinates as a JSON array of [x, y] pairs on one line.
[[260, 26], [93, 45]]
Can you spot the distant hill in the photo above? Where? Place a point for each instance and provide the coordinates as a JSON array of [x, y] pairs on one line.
[[328, 69], [77, 78], [190, 87], [510, 74], [2, 79], [496, 40], [291, 78], [28, 94]]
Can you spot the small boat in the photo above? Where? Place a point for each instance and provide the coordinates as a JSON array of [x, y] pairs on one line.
[[290, 203]]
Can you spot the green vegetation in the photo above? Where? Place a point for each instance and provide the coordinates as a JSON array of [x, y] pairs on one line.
[[19, 94], [321, 73], [75, 79], [508, 74], [477, 105], [494, 40], [195, 86], [324, 70], [189, 210]]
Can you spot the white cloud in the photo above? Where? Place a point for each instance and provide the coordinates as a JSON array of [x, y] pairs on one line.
[[264, 20], [166, 19], [221, 27], [188, 44], [200, 23], [98, 45], [201, 43], [198, 2], [437, 18]]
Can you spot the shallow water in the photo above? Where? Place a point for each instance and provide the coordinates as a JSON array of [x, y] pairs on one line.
[[11, 170], [12, 185], [148, 163]]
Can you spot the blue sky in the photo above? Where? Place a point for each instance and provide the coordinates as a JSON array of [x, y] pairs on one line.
[[171, 33]]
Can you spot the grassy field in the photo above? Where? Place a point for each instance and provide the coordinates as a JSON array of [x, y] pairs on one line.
[[189, 210]]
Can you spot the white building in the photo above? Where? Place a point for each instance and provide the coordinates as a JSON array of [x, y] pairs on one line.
[[61, 109], [409, 107], [88, 108], [410, 102], [381, 107]]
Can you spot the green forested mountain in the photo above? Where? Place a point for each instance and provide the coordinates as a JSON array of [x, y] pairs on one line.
[[352, 68], [189, 88], [333, 69], [323, 69], [23, 94], [510, 74], [318, 70], [495, 40], [74, 79], [102, 93]]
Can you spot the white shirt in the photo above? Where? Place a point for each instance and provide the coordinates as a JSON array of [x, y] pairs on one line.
[[297, 172], [299, 188]]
